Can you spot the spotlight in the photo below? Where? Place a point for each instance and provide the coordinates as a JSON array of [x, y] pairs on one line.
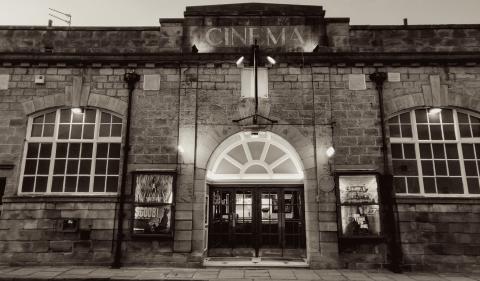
[[180, 149], [271, 60], [194, 49], [254, 135], [434, 110], [240, 60], [77, 110], [330, 151], [316, 49]]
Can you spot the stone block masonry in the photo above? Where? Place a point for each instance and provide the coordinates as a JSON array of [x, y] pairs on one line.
[[440, 234], [182, 111]]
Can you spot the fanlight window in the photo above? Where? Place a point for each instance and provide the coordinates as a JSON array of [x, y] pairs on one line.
[[72, 151], [436, 152], [256, 157]]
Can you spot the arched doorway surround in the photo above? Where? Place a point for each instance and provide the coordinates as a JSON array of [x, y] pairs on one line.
[[256, 198]]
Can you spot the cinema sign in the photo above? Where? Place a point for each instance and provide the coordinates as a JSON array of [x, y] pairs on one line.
[[287, 38]]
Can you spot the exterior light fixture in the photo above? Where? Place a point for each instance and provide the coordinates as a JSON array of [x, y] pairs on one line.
[[180, 149], [434, 110], [271, 60], [316, 49], [77, 110], [330, 151], [194, 49], [253, 61], [240, 60]]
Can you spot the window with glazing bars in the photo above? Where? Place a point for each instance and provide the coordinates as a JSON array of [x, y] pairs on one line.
[[435, 152], [72, 151]]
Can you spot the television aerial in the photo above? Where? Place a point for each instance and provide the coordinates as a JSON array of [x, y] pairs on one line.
[[67, 18]]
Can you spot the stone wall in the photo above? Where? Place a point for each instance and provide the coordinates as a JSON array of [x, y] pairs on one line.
[[193, 107], [31, 231], [440, 235], [335, 35], [415, 38], [91, 40]]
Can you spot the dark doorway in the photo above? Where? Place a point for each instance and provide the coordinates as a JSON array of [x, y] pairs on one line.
[[258, 221]]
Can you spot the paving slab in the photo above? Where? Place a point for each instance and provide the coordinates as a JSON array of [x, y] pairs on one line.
[[253, 273], [97, 273], [282, 274], [231, 274], [305, 274]]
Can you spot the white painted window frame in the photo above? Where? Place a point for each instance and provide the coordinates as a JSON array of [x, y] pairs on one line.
[[242, 139], [458, 140], [54, 140]]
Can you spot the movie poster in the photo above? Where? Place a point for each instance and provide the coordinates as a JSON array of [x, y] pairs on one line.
[[361, 189], [153, 188], [152, 210], [152, 220], [360, 211], [360, 220]]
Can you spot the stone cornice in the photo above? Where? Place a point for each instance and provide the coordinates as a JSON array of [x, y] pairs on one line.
[[339, 58]]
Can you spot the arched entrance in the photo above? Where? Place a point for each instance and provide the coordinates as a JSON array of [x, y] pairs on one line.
[[256, 198]]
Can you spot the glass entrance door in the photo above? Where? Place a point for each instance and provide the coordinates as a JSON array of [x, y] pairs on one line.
[[256, 222]]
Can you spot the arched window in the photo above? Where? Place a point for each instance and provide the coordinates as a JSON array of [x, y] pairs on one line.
[[256, 157], [436, 152], [71, 151]]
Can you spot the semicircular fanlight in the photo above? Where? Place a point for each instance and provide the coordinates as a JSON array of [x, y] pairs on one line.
[[264, 157]]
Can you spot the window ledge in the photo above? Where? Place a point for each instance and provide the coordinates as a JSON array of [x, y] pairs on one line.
[[401, 199], [60, 198]]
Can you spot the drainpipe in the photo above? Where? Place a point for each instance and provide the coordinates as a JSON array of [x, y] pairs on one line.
[[386, 191], [131, 78]]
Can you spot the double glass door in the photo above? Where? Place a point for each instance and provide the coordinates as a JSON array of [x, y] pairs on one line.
[[256, 222]]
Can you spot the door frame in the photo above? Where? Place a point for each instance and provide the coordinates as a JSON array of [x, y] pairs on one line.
[[256, 222]]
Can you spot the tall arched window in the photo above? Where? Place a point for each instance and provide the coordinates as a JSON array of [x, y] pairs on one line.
[[71, 151], [436, 152]]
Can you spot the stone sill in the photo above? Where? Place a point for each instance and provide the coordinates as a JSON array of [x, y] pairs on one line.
[[61, 199], [437, 200]]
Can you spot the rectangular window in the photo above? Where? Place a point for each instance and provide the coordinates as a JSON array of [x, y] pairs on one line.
[[248, 82]]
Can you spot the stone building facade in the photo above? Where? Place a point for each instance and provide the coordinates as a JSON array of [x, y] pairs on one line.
[[320, 92]]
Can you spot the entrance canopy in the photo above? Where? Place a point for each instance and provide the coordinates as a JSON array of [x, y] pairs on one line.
[[261, 157]]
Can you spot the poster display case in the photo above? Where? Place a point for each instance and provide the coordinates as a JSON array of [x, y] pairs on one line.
[[153, 204], [358, 205]]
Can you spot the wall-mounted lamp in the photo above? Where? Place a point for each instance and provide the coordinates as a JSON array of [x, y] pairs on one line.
[[271, 60], [180, 149], [77, 110], [435, 110], [254, 62], [240, 60], [194, 49], [330, 151]]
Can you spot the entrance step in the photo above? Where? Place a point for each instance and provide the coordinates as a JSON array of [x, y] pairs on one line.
[[254, 262]]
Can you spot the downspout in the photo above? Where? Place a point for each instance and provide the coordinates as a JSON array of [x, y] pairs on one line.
[[131, 78], [386, 191]]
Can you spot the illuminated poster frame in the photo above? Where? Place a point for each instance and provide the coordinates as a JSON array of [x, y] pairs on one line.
[[153, 210], [358, 205]]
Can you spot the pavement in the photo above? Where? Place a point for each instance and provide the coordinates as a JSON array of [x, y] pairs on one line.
[[78, 273]]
